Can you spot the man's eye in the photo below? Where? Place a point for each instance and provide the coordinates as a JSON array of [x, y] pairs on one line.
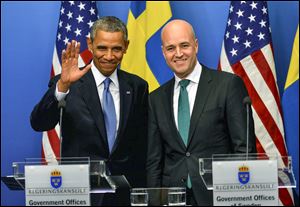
[[170, 49], [117, 49], [101, 48]]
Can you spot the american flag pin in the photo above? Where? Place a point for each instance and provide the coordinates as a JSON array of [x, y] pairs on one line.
[[128, 92]]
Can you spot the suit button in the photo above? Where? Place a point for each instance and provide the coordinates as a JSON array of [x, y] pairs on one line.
[[187, 154]]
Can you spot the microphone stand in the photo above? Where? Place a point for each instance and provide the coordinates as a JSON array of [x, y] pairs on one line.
[[247, 102], [61, 105]]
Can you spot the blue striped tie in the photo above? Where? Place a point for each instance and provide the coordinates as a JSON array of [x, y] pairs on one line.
[[109, 114]]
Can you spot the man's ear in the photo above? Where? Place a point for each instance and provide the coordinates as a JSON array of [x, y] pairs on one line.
[[89, 44], [162, 49], [196, 45], [126, 46]]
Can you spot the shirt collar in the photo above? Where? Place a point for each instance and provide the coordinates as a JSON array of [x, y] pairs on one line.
[[99, 77], [194, 76]]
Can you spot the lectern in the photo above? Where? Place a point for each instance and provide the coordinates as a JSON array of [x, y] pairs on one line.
[[65, 181], [246, 179]]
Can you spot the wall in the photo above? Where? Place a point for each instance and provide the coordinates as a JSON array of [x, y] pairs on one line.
[[28, 31]]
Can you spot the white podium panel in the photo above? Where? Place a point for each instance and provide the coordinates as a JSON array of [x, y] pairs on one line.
[[62, 185], [239, 183]]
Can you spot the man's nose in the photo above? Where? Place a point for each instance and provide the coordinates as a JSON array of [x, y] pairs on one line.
[[178, 52], [109, 55]]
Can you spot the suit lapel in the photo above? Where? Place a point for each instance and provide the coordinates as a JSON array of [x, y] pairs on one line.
[[200, 100], [169, 93], [126, 94], [90, 95]]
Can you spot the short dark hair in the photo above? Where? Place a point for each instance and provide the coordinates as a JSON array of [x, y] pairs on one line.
[[109, 24]]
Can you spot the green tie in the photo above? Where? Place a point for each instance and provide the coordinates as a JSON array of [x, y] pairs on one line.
[[184, 111], [184, 116]]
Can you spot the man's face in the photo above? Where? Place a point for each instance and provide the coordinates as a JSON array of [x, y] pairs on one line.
[[180, 49], [108, 49]]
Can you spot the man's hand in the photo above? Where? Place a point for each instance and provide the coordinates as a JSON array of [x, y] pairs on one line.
[[70, 71]]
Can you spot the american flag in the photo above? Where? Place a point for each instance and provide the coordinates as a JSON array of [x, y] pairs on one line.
[[75, 21], [247, 51]]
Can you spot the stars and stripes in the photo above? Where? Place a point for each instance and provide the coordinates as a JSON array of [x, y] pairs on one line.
[[75, 21], [247, 52]]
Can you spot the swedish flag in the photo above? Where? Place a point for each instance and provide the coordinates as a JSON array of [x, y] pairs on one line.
[[290, 104], [144, 56]]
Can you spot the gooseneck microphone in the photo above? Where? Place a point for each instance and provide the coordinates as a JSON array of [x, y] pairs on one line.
[[247, 103], [61, 106]]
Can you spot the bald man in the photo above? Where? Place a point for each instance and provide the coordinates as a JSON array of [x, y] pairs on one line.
[[196, 114]]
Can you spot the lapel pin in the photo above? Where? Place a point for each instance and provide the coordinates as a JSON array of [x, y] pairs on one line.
[[127, 92]]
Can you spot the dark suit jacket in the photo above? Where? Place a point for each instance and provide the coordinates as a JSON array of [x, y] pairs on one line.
[[218, 126], [84, 133]]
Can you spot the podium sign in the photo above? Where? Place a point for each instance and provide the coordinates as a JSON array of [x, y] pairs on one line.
[[60, 185], [248, 182]]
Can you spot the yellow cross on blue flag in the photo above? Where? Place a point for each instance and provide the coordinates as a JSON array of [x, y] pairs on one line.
[[144, 57]]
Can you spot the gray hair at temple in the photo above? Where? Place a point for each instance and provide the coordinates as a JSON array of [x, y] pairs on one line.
[[109, 24]]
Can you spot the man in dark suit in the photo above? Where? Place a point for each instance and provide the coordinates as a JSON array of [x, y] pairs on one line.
[[196, 114], [105, 117]]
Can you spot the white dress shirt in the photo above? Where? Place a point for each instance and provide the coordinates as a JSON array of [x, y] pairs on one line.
[[113, 88], [194, 78]]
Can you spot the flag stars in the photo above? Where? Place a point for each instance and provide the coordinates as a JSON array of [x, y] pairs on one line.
[[233, 52], [79, 19], [231, 9], [247, 44], [62, 11], [261, 36], [229, 22], [235, 39], [77, 32], [81, 6], [240, 13], [238, 26], [92, 11], [59, 36], [264, 10], [227, 34], [262, 23], [68, 27], [253, 5], [243, 2], [60, 24], [66, 40], [70, 15], [251, 18], [90, 23], [249, 31], [71, 3]]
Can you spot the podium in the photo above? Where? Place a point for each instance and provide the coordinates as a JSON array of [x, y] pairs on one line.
[[241, 179], [94, 176]]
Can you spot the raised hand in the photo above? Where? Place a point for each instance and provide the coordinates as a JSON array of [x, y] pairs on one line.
[[70, 71]]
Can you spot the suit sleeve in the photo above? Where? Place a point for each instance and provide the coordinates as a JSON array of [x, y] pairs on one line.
[[45, 114], [155, 151], [237, 117]]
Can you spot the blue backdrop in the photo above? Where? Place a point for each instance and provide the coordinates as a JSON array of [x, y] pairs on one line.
[[28, 32]]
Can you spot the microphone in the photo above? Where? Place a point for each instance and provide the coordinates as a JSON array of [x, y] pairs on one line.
[[61, 105], [247, 103]]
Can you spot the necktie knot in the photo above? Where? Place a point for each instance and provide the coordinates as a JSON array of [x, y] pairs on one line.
[[184, 83], [106, 82]]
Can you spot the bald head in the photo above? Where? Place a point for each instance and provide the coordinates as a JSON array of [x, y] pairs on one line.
[[175, 25], [179, 47]]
